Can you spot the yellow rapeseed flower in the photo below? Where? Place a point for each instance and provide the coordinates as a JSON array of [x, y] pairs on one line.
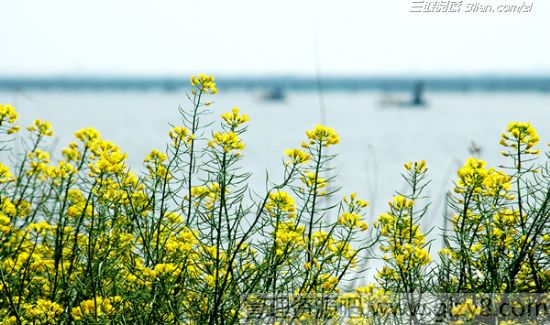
[[521, 134], [310, 180], [297, 156], [475, 176], [354, 203], [281, 202], [44, 311], [87, 136], [400, 202], [227, 141], [233, 119], [155, 157], [108, 158], [180, 134], [61, 171], [472, 175], [418, 166], [92, 307], [5, 174], [204, 83], [352, 220], [72, 153], [8, 114], [469, 310], [323, 135], [42, 128]]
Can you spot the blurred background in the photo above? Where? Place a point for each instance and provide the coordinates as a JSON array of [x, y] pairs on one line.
[[396, 85]]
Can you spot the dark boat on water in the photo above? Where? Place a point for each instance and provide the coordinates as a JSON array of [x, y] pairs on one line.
[[418, 95], [276, 94], [416, 101]]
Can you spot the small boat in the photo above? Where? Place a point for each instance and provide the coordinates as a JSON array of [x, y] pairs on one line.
[[418, 95], [416, 101], [276, 94]]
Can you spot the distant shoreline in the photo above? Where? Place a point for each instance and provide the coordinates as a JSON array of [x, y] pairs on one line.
[[455, 84]]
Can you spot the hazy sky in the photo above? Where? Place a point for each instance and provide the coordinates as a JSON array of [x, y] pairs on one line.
[[168, 37]]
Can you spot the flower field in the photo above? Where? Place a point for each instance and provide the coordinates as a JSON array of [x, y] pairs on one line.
[[85, 240]]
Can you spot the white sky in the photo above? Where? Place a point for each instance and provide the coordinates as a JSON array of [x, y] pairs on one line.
[[169, 37]]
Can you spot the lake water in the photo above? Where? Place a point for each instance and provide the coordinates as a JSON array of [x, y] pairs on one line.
[[375, 141]]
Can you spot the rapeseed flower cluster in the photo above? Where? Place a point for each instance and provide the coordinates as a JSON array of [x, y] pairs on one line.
[[495, 231], [418, 166], [281, 202], [94, 308], [322, 135], [477, 179], [41, 128], [521, 136], [352, 220], [354, 215], [5, 174], [107, 159], [465, 312], [297, 156], [203, 83], [8, 117], [314, 182], [404, 246], [8, 114], [368, 304], [155, 164], [181, 134], [227, 141], [402, 241], [233, 119]]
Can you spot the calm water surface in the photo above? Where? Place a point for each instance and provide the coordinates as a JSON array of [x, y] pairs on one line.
[[375, 141]]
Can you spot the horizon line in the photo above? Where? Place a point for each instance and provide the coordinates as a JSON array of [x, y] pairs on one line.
[[290, 82]]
